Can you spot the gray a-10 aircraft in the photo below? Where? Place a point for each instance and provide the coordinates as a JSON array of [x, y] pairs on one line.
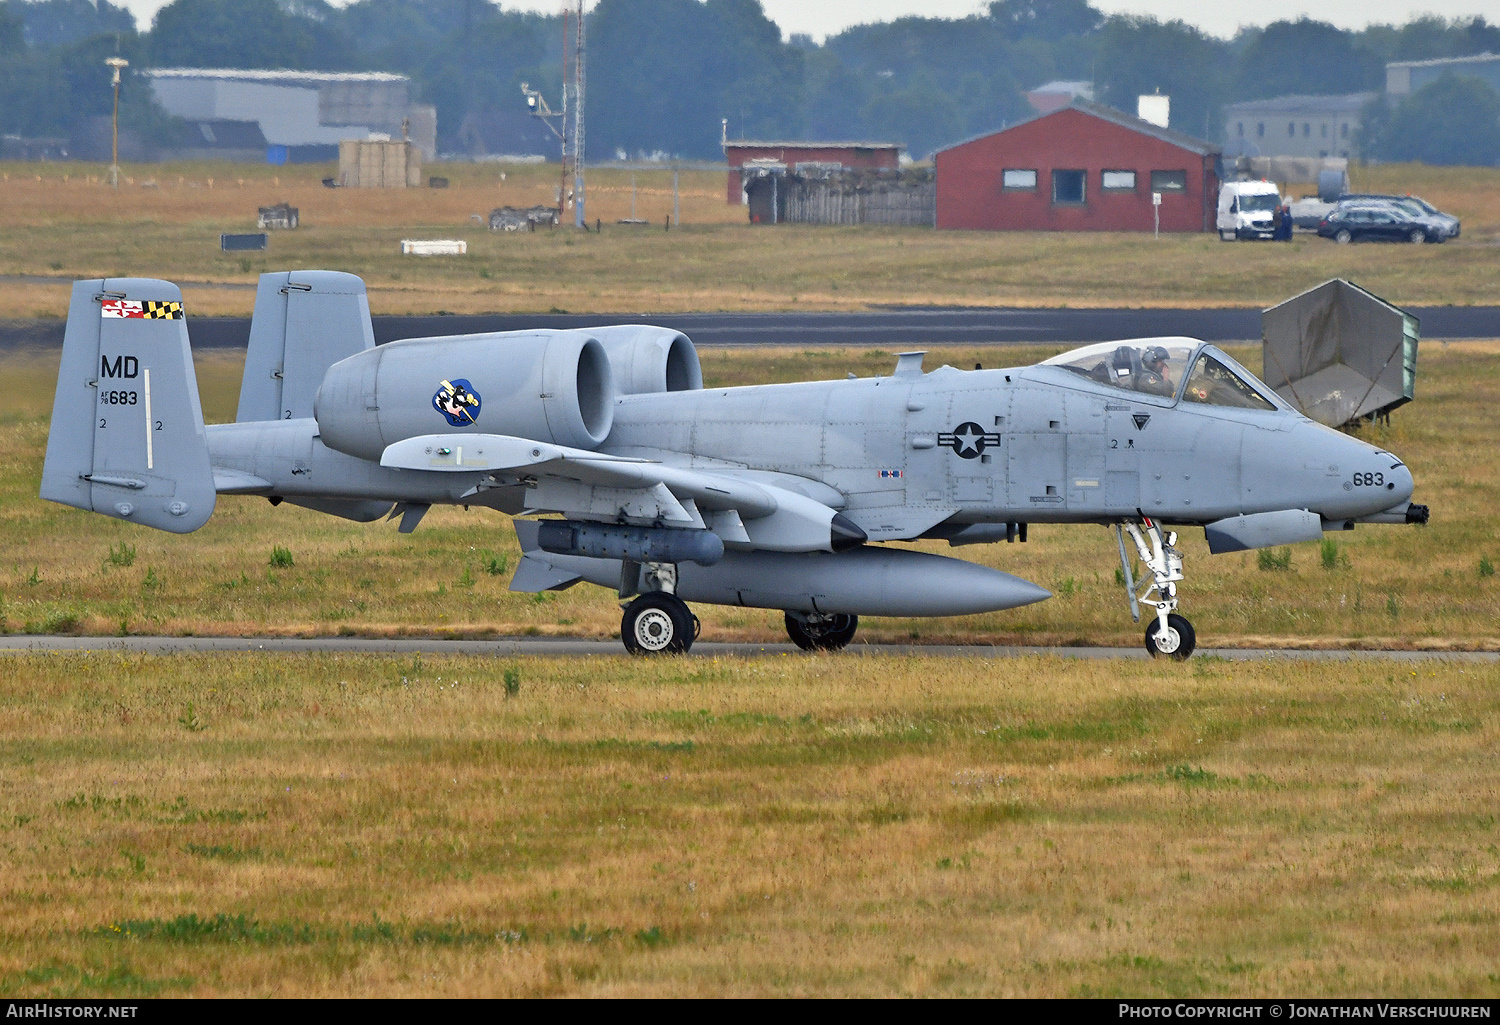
[[777, 496]]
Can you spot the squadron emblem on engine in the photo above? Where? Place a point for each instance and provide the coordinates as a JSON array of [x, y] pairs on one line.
[[458, 402]]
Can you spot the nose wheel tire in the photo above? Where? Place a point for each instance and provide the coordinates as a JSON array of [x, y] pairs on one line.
[[821, 633], [1177, 641], [658, 623]]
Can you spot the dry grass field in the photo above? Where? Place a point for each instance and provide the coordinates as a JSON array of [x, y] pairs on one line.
[[835, 825], [62, 570], [356, 826], [61, 221]]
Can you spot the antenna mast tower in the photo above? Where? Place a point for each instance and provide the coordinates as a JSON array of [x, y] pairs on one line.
[[574, 142]]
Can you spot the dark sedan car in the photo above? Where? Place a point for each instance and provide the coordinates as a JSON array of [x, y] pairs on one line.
[[1381, 222], [1415, 205]]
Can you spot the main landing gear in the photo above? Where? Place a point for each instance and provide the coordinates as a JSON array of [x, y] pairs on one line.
[[1168, 635], [659, 623], [813, 632]]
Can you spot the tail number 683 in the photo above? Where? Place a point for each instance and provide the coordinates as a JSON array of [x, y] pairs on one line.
[[1369, 480]]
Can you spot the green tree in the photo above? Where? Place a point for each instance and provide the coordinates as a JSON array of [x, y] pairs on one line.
[[1305, 57], [483, 68], [929, 82], [1052, 20], [1139, 56], [248, 34], [1455, 120], [12, 30], [58, 22], [663, 72]]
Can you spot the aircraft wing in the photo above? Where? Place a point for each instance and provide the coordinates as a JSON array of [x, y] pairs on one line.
[[744, 508]]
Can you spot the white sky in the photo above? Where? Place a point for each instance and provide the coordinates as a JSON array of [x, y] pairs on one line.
[[821, 18]]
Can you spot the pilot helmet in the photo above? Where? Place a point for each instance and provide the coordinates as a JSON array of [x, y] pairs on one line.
[[1154, 355]]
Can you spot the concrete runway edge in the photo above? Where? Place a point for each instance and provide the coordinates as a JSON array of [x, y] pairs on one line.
[[561, 647]]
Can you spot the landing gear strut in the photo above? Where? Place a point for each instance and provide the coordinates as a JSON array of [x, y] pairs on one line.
[[813, 632], [1168, 635], [658, 623]]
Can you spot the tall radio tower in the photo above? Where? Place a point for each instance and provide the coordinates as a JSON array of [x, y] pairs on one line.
[[575, 128]]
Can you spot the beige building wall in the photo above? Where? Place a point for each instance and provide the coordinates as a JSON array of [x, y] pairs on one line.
[[377, 164]]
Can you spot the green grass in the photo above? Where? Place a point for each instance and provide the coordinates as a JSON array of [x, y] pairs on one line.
[[792, 825]]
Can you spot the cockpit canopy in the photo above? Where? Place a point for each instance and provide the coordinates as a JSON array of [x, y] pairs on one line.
[[1158, 366]]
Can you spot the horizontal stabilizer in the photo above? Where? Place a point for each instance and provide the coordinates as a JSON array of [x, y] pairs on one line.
[[1263, 530], [238, 482]]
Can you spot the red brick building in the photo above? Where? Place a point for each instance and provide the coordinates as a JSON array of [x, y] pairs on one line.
[[801, 157], [1085, 167]]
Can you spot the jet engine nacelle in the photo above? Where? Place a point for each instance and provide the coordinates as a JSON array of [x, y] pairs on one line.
[[553, 386], [647, 360]]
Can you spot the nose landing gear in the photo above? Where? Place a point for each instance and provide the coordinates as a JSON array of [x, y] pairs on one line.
[[1169, 635]]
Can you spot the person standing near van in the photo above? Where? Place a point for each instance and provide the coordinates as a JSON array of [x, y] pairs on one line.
[[1281, 224]]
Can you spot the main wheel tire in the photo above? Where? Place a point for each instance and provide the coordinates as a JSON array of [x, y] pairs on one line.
[[1416, 236], [831, 634], [1176, 642], [1343, 236], [658, 623]]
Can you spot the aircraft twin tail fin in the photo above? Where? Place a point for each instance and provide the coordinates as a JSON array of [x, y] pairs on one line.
[[305, 321], [127, 437]]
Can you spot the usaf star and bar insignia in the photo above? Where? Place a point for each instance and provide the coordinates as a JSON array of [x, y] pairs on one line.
[[969, 440], [140, 309]]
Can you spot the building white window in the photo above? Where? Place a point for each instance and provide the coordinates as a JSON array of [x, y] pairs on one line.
[[1323, 129], [1118, 181], [1239, 129], [1291, 129], [1344, 131], [1168, 181], [1260, 130], [1306, 130], [1015, 180]]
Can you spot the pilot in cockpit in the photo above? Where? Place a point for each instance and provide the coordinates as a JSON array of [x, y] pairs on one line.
[[1155, 377]]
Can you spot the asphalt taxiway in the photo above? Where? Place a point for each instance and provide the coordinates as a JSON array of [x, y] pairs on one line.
[[890, 327], [559, 647]]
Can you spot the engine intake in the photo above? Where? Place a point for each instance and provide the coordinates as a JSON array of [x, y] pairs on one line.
[[554, 386], [647, 359]]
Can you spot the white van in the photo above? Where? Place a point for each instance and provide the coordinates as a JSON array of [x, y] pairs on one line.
[[1245, 209]]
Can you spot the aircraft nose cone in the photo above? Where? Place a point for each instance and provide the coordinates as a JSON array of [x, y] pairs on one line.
[[1341, 477], [1404, 485]]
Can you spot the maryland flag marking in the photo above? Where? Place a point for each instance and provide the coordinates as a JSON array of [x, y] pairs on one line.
[[135, 309]]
